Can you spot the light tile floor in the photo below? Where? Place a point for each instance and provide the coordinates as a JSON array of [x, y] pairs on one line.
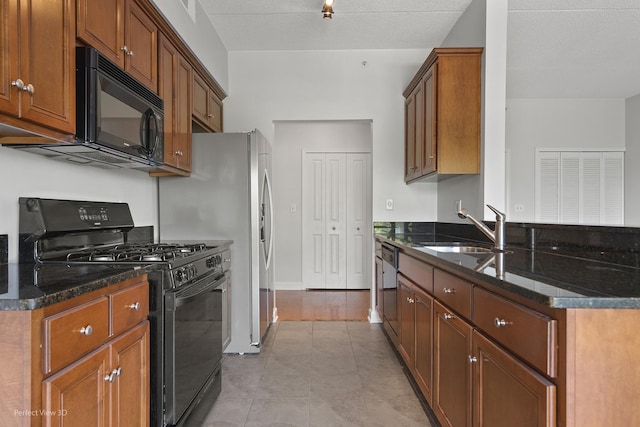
[[318, 374]]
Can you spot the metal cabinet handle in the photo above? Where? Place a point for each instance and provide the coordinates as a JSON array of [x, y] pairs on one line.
[[29, 89], [449, 290], [134, 306], [86, 330], [130, 53], [18, 83], [431, 157], [110, 377], [125, 49], [448, 316], [500, 322], [472, 359], [210, 116]]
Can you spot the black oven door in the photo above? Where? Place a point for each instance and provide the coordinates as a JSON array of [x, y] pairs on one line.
[[192, 342]]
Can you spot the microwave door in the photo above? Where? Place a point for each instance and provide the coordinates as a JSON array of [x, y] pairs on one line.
[[149, 133]]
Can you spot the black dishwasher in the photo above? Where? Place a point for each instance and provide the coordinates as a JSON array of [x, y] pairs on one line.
[[390, 288]]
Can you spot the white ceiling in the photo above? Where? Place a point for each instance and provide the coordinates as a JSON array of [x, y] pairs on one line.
[[556, 48]]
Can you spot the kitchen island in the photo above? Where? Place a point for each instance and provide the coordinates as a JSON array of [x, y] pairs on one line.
[[528, 336]]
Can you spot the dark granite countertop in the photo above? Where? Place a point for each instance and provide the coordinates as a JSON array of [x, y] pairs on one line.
[[32, 286], [551, 279]]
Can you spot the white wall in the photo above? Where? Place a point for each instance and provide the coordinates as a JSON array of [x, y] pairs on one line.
[[483, 24], [29, 175], [200, 36], [334, 85], [294, 138], [632, 160], [556, 123]]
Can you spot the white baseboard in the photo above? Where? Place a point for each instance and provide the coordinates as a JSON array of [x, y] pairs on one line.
[[288, 286]]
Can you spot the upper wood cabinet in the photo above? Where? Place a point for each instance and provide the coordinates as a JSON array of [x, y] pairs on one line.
[[442, 115], [207, 106], [124, 33], [37, 66], [174, 87]]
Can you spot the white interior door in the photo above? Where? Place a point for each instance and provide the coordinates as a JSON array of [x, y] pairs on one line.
[[335, 225], [358, 220], [314, 220], [336, 199]]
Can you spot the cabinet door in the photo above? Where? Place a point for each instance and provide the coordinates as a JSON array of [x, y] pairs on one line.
[[214, 112], [183, 113], [78, 395], [379, 288], [47, 63], [407, 316], [167, 85], [508, 393], [200, 99], [413, 131], [130, 385], [100, 25], [452, 370], [423, 362], [141, 39], [9, 71], [174, 87], [428, 163]]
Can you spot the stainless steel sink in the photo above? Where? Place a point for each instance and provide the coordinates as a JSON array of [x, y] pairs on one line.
[[457, 249]]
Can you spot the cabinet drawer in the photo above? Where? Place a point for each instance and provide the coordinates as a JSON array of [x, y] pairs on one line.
[[453, 291], [419, 272], [129, 307], [74, 332], [526, 333]]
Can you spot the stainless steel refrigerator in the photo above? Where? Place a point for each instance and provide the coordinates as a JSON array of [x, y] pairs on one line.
[[228, 196]]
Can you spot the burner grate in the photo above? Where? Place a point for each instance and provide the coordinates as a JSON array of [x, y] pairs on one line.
[[137, 252]]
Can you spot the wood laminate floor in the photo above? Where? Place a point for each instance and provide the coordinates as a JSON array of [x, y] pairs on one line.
[[323, 305]]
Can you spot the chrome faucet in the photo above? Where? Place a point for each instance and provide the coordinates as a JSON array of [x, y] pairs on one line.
[[497, 236]]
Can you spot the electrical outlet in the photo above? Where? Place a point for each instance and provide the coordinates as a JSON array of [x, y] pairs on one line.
[[388, 204], [519, 207]]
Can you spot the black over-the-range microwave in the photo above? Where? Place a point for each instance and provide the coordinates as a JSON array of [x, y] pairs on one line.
[[119, 121]]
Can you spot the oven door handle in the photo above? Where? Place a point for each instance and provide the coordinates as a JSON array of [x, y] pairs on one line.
[[190, 293]]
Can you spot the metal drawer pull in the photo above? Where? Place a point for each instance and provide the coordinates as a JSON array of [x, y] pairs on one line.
[[472, 359], [449, 290], [135, 306], [501, 322], [448, 316], [112, 376], [86, 330]]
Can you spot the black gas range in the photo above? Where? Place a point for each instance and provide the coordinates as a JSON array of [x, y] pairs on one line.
[[188, 292]]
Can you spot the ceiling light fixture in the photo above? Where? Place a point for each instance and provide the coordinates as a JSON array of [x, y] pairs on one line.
[[327, 9]]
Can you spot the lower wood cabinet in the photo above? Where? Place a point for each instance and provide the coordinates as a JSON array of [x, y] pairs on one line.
[[423, 365], [83, 361], [451, 368], [108, 387], [485, 357], [506, 392], [415, 344]]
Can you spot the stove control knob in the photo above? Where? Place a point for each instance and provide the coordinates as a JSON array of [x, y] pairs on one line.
[[211, 262], [180, 275]]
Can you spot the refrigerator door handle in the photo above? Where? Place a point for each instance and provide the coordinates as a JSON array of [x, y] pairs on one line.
[[270, 250]]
